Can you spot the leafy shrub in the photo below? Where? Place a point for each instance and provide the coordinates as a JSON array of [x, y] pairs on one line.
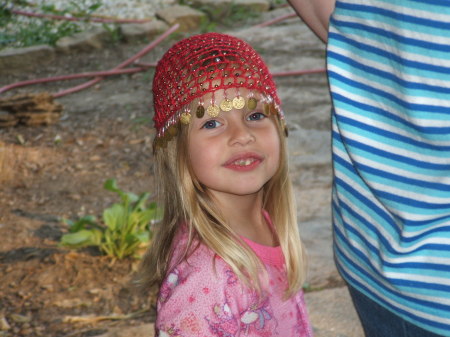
[[124, 229]]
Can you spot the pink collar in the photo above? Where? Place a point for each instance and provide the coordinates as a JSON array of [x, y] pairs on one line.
[[268, 255]]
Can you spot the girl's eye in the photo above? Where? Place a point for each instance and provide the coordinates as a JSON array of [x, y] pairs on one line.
[[256, 116], [212, 124]]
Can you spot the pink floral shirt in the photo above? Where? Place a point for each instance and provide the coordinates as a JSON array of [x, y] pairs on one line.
[[203, 297]]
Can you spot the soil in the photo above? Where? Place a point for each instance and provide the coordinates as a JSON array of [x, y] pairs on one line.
[[54, 172]]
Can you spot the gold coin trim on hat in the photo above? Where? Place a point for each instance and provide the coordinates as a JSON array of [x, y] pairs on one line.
[[226, 105], [213, 110], [268, 106], [173, 130], [185, 118], [266, 109], [238, 102], [273, 109], [252, 103], [200, 112]]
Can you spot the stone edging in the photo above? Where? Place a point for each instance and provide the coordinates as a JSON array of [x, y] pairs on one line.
[[13, 60]]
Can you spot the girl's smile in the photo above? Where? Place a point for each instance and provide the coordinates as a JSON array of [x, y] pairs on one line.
[[244, 162]]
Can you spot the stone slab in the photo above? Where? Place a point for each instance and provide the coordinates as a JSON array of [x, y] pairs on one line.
[[309, 148], [139, 31], [332, 313], [83, 41], [317, 237], [14, 60], [188, 18]]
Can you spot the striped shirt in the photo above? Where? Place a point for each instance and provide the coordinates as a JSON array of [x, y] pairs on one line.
[[389, 71]]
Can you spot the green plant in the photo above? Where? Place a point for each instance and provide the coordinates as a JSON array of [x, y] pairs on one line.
[[206, 25], [24, 32], [278, 2], [114, 31], [124, 229], [239, 14], [225, 16]]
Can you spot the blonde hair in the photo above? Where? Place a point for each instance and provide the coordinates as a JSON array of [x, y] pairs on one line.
[[185, 200]]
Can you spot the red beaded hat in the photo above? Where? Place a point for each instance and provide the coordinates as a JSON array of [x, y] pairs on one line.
[[204, 64]]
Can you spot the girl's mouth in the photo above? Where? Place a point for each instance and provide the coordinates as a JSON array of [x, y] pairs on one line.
[[244, 162]]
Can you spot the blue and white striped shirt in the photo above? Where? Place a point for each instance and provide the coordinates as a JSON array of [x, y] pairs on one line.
[[389, 71]]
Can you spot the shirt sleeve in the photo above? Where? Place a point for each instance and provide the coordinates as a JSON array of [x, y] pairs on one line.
[[206, 299]]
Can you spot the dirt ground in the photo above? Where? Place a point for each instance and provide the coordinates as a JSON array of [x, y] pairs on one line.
[[52, 172]]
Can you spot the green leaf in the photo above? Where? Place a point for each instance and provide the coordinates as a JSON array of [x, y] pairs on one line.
[[68, 222], [86, 222], [140, 202], [51, 9], [143, 236], [131, 238], [82, 238], [127, 197], [113, 217], [111, 185], [94, 7]]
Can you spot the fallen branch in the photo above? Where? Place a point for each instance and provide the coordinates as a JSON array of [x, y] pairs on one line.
[[29, 109], [75, 18]]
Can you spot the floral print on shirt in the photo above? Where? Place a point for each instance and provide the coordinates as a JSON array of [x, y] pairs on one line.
[[203, 297]]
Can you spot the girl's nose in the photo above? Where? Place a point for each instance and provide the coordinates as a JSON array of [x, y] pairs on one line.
[[240, 133]]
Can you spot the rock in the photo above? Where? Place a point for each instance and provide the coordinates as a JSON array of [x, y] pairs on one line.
[[309, 148], [219, 9], [317, 236], [69, 303], [253, 5], [332, 314], [4, 325], [148, 30], [20, 318], [188, 18], [282, 40], [83, 41], [313, 203], [22, 59]]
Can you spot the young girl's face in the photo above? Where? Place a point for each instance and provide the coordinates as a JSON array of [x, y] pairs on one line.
[[235, 153]]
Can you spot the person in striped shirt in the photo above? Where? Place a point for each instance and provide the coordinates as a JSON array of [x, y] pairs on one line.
[[388, 64]]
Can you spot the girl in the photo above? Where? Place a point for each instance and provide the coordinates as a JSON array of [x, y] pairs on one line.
[[227, 256]]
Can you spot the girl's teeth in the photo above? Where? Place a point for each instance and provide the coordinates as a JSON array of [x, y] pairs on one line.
[[243, 162]]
